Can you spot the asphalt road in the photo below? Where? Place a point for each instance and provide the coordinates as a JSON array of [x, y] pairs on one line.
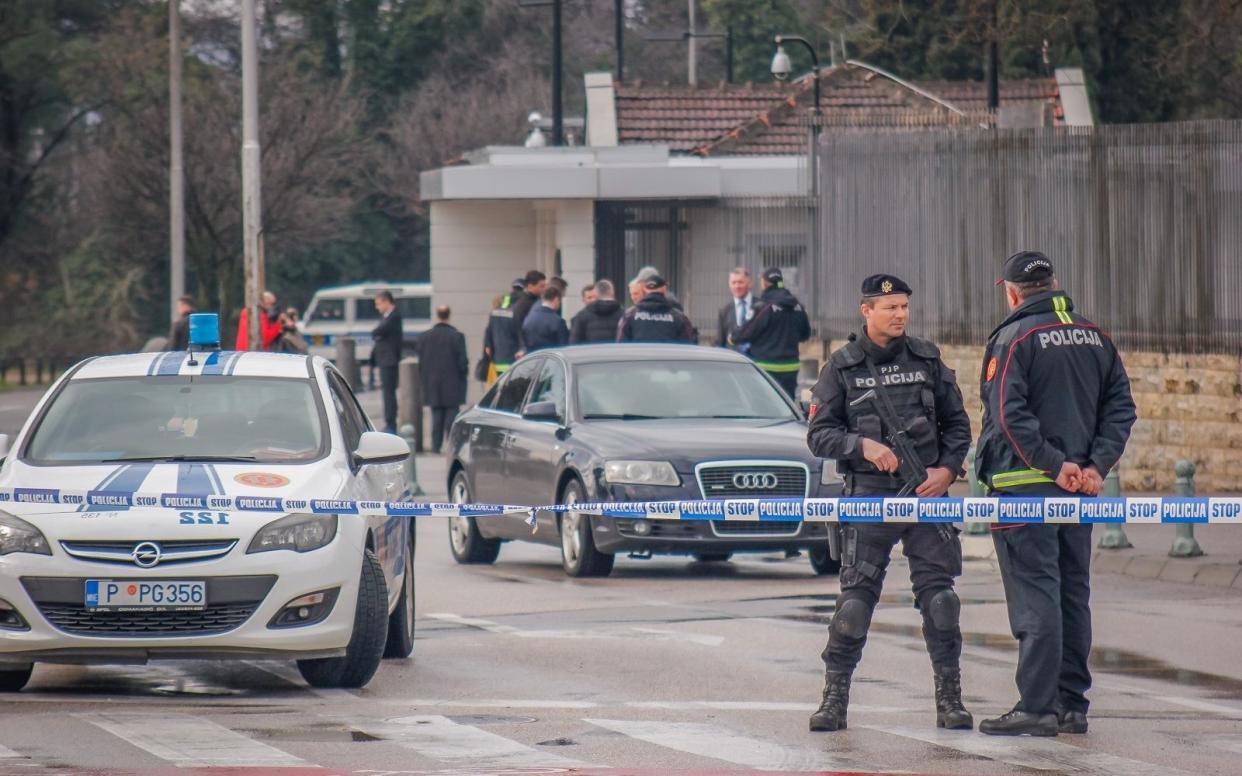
[[15, 407], [666, 665]]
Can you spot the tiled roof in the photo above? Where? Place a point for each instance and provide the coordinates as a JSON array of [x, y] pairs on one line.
[[772, 118]]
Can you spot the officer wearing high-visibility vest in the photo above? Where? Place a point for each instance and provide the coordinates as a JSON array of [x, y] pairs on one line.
[[774, 332], [881, 379], [500, 339], [1057, 413]]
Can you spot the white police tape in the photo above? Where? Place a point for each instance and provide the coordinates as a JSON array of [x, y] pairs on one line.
[[1010, 510]]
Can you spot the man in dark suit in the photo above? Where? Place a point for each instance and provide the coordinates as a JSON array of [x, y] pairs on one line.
[[179, 334], [740, 309], [386, 351], [442, 369]]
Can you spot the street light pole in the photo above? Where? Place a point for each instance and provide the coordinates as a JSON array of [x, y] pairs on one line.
[[619, 13], [781, 67], [176, 174], [692, 49], [252, 210], [558, 113]]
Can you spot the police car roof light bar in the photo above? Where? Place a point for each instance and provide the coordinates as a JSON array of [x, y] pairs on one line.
[[204, 333]]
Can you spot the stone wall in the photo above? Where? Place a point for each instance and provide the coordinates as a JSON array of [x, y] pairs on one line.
[[1189, 406]]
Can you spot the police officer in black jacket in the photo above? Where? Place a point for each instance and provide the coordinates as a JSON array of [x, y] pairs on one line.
[[655, 318], [500, 338], [1057, 413], [775, 332], [845, 425]]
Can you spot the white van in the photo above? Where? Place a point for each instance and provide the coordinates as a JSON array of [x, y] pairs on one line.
[[349, 311]]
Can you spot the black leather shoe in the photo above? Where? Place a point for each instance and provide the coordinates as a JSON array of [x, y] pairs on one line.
[[831, 712], [1020, 723], [1072, 722]]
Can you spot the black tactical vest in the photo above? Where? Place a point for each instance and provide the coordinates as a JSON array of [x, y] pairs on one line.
[[909, 380]]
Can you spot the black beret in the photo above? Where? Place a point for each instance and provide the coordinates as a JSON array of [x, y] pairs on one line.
[[1026, 267], [884, 284]]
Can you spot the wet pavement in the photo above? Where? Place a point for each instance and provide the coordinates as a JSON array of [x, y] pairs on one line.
[[669, 665]]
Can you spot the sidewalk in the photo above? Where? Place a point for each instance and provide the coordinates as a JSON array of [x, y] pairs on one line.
[[1219, 566]]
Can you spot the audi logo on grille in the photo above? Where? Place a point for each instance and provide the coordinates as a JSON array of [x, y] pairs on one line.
[[147, 555], [755, 481]]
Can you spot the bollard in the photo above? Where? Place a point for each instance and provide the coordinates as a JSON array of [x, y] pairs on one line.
[[1114, 537], [410, 398], [411, 465], [347, 362], [976, 491], [1184, 543]]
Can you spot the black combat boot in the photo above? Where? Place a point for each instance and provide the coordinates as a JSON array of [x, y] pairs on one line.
[[831, 713], [950, 713]]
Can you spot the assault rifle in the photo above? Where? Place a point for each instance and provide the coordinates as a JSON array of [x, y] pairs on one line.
[[910, 468]]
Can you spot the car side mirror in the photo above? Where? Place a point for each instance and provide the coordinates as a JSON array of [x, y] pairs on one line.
[[542, 411], [378, 447]]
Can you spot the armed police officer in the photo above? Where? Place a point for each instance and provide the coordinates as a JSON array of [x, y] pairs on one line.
[[884, 392], [775, 331], [1057, 413]]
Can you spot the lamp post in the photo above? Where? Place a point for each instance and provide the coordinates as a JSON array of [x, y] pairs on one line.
[[558, 114], [781, 69], [252, 210], [176, 174]]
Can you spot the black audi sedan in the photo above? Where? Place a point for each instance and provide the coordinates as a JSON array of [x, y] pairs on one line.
[[633, 422]]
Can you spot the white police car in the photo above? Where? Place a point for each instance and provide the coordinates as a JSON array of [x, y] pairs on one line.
[[105, 583]]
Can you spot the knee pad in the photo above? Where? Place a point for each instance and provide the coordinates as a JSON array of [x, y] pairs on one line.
[[852, 618], [944, 609]]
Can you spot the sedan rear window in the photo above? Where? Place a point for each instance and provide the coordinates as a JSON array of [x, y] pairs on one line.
[[271, 420], [639, 390]]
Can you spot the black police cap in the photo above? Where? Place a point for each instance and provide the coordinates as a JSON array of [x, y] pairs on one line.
[[884, 284], [654, 282], [1026, 267], [774, 276], [519, 283]]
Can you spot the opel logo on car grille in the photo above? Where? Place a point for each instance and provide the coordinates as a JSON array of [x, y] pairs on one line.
[[146, 555], [755, 481]]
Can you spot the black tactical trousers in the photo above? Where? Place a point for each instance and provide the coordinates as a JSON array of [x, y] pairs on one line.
[[934, 563], [1046, 570]]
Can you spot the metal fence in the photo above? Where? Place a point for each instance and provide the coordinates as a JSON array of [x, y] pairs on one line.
[[1143, 224]]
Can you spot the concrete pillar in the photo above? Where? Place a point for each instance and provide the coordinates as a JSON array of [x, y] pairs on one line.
[[1114, 537], [410, 399], [347, 361], [1184, 543]]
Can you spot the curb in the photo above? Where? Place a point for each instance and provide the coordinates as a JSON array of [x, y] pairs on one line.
[[1184, 571]]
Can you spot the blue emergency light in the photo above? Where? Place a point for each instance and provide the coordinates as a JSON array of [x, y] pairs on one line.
[[204, 331]]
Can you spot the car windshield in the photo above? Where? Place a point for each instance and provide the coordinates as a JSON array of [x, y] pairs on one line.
[[642, 390], [272, 420]]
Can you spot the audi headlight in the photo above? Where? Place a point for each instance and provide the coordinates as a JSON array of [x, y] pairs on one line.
[[641, 473], [297, 532], [16, 535], [829, 474]]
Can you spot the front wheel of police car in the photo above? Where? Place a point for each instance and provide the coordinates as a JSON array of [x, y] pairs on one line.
[[366, 646], [401, 621]]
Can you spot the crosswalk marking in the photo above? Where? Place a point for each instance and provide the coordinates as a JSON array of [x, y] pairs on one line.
[[188, 741], [719, 743], [1041, 754], [646, 634], [442, 739]]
